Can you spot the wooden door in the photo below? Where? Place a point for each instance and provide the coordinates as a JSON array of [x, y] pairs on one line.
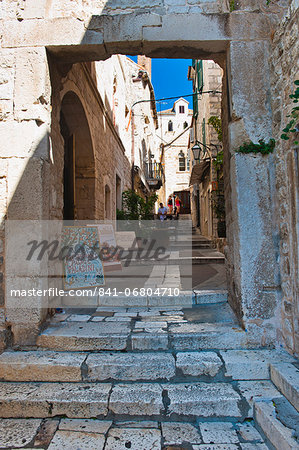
[[184, 196]]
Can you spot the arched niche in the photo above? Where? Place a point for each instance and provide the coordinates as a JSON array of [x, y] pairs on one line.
[[79, 165]]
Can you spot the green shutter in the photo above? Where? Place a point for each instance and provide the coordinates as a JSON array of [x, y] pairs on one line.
[[200, 75], [198, 67]]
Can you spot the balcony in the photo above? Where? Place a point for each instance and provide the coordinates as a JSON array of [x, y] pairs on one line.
[[154, 174]]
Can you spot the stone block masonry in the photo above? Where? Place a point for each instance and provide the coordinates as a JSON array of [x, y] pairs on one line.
[[74, 31], [284, 71]]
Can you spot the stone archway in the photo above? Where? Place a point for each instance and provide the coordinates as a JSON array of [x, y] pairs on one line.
[[236, 42]]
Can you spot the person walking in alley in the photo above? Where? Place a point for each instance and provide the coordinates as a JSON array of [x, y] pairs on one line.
[[170, 204], [177, 205]]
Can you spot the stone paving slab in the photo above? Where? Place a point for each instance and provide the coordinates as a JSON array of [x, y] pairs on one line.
[[97, 319], [249, 433], [177, 433], [202, 399], [85, 425], [140, 439], [257, 446], [149, 341], [130, 366], [78, 318], [89, 433], [173, 313], [137, 424], [215, 447], [148, 324], [74, 400], [218, 433], [257, 390], [136, 399], [86, 336], [77, 440], [205, 336], [251, 364], [198, 363], [41, 366], [17, 432], [210, 296], [117, 319], [46, 432]]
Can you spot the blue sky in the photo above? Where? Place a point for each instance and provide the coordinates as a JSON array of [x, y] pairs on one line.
[[169, 78]]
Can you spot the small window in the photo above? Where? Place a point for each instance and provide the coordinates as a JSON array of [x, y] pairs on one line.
[[170, 126], [185, 125], [182, 164], [182, 109]]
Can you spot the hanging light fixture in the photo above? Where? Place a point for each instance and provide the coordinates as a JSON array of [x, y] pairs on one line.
[[196, 149]]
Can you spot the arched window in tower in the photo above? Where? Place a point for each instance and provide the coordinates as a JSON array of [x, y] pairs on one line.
[[185, 125], [170, 126]]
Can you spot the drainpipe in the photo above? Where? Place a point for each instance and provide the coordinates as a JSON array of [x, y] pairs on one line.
[[197, 186]]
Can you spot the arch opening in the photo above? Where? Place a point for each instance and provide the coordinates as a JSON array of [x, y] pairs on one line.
[[79, 165]]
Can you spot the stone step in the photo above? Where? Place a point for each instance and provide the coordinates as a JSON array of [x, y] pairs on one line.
[[206, 336], [285, 376], [185, 299], [118, 336], [136, 434], [81, 336], [50, 366], [190, 245], [279, 422], [209, 296], [91, 400], [182, 260], [252, 364]]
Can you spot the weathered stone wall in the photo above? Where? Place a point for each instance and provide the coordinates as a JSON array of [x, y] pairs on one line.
[[104, 137], [284, 71], [25, 118], [78, 31], [208, 105]]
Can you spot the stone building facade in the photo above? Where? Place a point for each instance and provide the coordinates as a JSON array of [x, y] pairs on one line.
[[128, 91], [174, 130], [284, 60], [205, 182], [261, 211], [92, 149]]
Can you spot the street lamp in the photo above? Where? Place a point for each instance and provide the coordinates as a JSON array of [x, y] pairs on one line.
[[196, 149]]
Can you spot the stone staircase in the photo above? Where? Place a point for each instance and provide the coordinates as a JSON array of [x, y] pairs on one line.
[[148, 375], [145, 365], [278, 417]]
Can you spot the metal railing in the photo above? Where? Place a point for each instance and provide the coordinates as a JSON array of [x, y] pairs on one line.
[[153, 171]]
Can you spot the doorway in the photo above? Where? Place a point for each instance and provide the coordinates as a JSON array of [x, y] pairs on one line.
[[79, 167]]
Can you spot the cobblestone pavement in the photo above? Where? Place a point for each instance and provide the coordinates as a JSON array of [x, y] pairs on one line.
[[93, 434]]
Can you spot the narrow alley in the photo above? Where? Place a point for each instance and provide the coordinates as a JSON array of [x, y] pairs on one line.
[[149, 225]]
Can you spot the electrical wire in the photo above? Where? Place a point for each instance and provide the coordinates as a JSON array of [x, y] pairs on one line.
[[177, 96]]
